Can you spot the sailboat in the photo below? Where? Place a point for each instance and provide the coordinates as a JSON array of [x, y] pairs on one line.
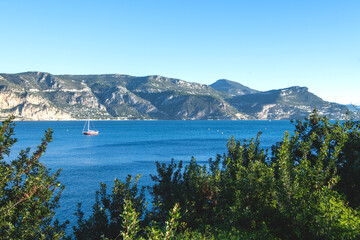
[[87, 130]]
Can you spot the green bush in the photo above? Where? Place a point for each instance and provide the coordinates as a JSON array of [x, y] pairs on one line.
[[294, 194], [300, 191], [307, 188], [107, 217], [29, 193]]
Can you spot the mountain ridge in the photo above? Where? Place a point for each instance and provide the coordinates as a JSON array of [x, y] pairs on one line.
[[44, 96], [232, 88]]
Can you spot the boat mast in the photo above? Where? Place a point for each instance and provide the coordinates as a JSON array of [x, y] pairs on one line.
[[88, 122]]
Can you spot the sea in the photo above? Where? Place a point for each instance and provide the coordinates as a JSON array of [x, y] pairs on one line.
[[125, 148]]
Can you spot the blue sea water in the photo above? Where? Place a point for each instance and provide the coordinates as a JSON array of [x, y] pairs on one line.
[[131, 147]]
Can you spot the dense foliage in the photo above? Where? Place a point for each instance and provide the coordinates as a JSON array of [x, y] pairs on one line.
[[29, 193], [306, 188], [107, 218]]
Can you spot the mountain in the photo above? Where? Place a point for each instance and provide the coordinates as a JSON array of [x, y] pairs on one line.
[[110, 96], [288, 103], [232, 88], [353, 108], [43, 96]]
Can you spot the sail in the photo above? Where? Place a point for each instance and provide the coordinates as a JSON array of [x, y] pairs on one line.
[[87, 130]]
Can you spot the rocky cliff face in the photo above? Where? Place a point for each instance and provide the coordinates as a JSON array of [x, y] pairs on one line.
[[43, 96], [289, 103], [29, 106]]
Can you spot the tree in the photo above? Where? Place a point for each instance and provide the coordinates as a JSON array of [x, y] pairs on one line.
[[307, 204], [299, 191], [292, 195], [107, 217], [29, 192], [346, 165]]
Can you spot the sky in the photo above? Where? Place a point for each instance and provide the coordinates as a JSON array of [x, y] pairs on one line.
[[262, 44]]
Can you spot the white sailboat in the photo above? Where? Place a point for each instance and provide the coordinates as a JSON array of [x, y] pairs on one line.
[[87, 130]]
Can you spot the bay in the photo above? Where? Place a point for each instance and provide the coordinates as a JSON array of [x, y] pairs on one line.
[[130, 147]]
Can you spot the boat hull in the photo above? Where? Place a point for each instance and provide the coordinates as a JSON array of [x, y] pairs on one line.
[[91, 133]]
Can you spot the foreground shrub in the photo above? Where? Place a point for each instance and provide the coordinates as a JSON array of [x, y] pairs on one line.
[[291, 195], [307, 188], [107, 217], [29, 193], [346, 165]]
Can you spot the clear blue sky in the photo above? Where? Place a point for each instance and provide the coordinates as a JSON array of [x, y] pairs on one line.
[[264, 44]]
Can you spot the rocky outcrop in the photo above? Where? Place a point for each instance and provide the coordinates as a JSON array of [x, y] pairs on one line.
[[29, 106], [121, 102], [289, 103]]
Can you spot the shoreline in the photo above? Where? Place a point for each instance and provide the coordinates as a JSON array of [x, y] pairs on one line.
[[115, 120]]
